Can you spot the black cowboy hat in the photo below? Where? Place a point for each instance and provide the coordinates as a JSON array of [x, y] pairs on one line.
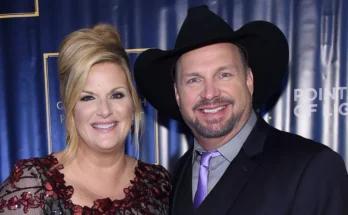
[[266, 49]]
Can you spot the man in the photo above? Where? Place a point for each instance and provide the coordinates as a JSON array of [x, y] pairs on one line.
[[213, 79]]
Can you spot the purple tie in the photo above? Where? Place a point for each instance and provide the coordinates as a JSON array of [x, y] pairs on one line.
[[203, 177]]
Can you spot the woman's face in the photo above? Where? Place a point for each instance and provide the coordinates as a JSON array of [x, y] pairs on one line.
[[104, 111]]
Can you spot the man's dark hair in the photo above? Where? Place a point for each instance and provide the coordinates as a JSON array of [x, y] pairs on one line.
[[243, 56]]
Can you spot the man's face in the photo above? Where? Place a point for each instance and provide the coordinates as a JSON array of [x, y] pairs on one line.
[[214, 90]]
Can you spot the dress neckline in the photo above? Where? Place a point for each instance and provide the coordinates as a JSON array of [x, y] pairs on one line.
[[64, 191]]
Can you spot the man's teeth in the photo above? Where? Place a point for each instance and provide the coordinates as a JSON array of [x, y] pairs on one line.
[[104, 126], [213, 110]]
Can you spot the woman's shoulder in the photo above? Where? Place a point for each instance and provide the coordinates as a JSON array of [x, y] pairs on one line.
[[31, 166], [156, 179], [46, 162], [25, 169], [24, 188], [156, 170]]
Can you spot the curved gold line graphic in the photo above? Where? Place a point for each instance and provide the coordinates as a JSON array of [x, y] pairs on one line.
[[47, 92], [48, 116], [19, 15], [136, 50]]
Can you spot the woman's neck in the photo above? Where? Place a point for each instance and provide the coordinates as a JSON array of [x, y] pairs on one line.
[[108, 168]]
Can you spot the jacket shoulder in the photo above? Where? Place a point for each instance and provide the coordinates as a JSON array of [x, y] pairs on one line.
[[293, 145]]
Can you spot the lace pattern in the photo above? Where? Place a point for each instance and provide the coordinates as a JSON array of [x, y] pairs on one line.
[[35, 188]]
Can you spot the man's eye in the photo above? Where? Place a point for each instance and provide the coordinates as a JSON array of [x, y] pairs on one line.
[[86, 98], [192, 80], [117, 95], [224, 75]]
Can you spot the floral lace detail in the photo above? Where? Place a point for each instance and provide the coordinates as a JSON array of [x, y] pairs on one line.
[[35, 186]]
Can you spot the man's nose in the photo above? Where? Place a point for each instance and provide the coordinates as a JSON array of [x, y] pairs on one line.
[[210, 90]]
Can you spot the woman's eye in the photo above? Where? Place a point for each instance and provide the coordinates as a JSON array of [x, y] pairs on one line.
[[86, 98], [117, 95]]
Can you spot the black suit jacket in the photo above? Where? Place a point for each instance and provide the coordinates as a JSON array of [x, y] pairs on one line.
[[274, 173]]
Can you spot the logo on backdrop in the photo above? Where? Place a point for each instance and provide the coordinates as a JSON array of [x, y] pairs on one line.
[[60, 107], [330, 101]]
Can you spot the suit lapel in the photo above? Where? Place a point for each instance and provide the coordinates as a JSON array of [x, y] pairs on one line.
[[229, 186], [181, 197], [236, 176], [226, 191], [184, 205]]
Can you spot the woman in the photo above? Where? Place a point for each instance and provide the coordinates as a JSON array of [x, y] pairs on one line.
[[92, 175]]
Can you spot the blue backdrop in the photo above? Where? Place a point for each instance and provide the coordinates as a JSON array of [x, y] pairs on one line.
[[313, 103]]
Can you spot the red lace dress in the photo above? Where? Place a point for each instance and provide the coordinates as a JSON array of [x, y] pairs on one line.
[[32, 188]]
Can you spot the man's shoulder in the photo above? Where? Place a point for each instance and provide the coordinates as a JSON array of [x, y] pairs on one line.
[[180, 164], [187, 155], [294, 145]]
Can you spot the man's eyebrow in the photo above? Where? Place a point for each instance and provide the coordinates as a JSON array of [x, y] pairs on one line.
[[191, 74], [228, 66], [219, 69]]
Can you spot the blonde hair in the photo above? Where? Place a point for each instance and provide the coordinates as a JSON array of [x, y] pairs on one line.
[[79, 51]]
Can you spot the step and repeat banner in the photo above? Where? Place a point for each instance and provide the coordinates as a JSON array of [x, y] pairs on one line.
[[313, 103]]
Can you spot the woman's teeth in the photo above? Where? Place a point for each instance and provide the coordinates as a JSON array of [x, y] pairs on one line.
[[104, 126]]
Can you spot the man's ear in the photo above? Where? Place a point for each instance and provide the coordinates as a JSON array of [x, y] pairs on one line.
[[250, 80], [177, 97]]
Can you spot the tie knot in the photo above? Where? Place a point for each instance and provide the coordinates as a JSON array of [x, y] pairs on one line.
[[206, 156]]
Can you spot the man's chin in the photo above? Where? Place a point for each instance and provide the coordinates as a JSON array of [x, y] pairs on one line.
[[211, 134], [214, 130]]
